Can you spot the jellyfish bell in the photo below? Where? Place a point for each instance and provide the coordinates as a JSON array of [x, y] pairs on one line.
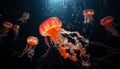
[[108, 20], [51, 28], [7, 25], [88, 13], [32, 40], [16, 28], [26, 15]]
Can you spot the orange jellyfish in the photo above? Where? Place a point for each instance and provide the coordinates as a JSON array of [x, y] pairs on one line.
[[16, 30], [25, 17], [31, 44], [88, 13], [53, 32], [107, 22], [51, 28], [6, 28]]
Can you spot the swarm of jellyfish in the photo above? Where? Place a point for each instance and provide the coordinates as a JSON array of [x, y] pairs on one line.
[[25, 17], [52, 29], [107, 22], [31, 44], [15, 28], [88, 13], [70, 45]]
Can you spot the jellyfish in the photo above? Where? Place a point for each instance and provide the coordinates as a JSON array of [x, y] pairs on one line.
[[88, 13], [53, 32], [6, 28], [107, 22], [25, 17], [16, 31], [31, 44]]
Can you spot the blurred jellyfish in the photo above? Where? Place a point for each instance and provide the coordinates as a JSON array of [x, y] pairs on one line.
[[6, 28], [16, 30], [107, 22], [52, 28], [31, 44], [88, 13], [25, 17]]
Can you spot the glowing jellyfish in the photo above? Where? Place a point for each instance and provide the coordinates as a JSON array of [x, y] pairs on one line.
[[31, 44], [25, 17], [16, 30], [54, 37], [88, 13], [51, 28], [107, 22], [6, 28]]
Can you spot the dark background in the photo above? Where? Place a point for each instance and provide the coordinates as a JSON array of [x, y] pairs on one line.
[[72, 19]]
